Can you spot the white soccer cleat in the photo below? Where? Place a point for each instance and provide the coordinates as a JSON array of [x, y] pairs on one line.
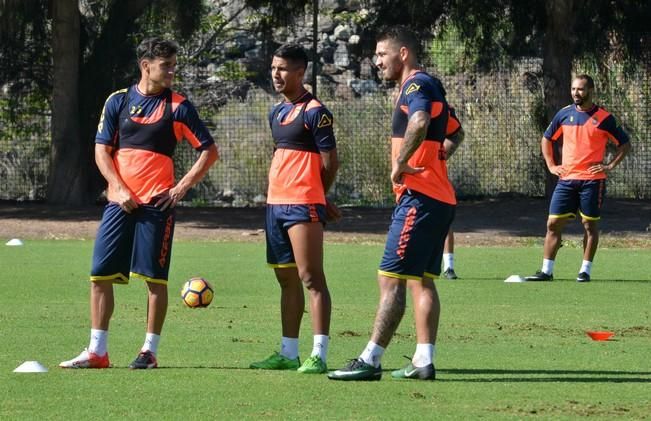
[[87, 360]]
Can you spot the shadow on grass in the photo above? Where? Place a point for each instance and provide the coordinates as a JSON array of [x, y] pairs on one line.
[[479, 375]]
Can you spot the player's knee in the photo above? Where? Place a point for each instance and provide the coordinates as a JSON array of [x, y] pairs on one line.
[[555, 224], [590, 228], [312, 280]]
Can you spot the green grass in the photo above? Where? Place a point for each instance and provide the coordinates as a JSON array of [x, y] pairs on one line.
[[504, 350]]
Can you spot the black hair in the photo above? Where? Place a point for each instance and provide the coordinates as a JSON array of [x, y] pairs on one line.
[[156, 47], [587, 78], [403, 36], [292, 52]]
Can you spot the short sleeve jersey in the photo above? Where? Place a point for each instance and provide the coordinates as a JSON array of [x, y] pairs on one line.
[[301, 130], [584, 135], [422, 92], [144, 130], [454, 125]]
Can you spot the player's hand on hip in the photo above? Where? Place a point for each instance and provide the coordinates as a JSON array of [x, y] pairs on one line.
[[398, 169], [125, 200], [557, 170], [170, 198], [597, 168]]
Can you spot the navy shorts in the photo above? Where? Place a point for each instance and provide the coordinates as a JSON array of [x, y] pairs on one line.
[[136, 244], [278, 221], [414, 246], [583, 196]]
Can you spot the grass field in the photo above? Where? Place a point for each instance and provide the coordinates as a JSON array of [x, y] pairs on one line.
[[504, 350]]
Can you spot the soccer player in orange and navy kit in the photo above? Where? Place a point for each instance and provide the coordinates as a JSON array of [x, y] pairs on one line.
[[136, 137], [303, 168], [584, 129], [422, 217]]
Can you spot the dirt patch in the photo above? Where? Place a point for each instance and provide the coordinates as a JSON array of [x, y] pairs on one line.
[[492, 222]]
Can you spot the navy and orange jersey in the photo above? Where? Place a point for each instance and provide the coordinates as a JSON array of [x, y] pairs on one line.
[[585, 135], [454, 125], [301, 130], [422, 92], [144, 130]]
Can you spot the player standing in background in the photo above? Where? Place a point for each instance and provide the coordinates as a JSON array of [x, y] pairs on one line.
[[453, 137], [584, 129], [136, 138], [303, 168], [421, 218]]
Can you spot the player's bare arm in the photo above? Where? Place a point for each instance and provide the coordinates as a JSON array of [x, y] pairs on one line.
[[106, 166], [330, 167], [414, 135], [548, 154], [622, 151], [193, 176], [450, 144], [328, 174]]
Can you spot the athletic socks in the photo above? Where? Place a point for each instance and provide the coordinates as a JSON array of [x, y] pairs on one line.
[[548, 266], [289, 347], [98, 341], [586, 267], [372, 354], [151, 343], [448, 261], [424, 355], [320, 347]]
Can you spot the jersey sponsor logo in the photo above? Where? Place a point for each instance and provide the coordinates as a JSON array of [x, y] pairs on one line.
[[165, 246], [571, 119], [413, 87], [135, 109], [325, 121]]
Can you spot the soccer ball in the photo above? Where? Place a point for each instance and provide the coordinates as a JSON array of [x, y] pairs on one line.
[[197, 292]]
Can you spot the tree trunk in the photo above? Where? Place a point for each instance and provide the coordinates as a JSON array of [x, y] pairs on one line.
[[110, 66], [68, 166], [558, 53]]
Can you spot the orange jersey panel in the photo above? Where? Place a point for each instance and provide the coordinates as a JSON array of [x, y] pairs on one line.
[[295, 178], [146, 173], [584, 145], [433, 181]]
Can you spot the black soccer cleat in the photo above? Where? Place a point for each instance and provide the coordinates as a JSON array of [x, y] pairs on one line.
[[540, 276], [450, 274], [583, 277], [144, 360]]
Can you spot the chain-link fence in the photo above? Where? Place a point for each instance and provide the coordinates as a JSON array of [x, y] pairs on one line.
[[501, 112]]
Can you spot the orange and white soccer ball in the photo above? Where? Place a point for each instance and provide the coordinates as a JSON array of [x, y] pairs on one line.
[[197, 292]]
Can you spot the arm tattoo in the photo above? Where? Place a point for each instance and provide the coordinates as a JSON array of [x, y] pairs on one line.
[[414, 135], [455, 141]]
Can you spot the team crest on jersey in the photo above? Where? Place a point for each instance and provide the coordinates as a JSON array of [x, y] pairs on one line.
[[571, 119], [325, 121], [412, 88]]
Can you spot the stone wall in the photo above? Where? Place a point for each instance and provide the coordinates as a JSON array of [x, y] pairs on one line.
[[344, 51]]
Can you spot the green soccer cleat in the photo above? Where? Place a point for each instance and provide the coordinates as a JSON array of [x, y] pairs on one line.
[[313, 365], [357, 370], [276, 362], [427, 372]]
